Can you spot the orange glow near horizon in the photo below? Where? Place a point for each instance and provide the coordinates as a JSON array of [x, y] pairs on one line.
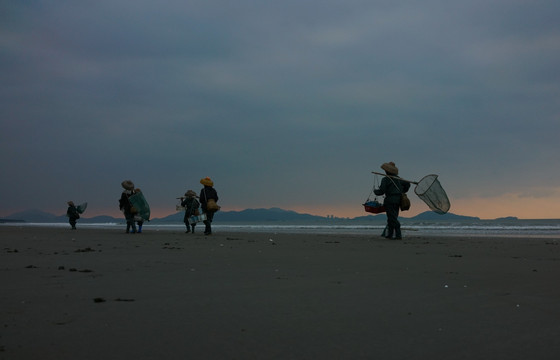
[[545, 207], [509, 205], [484, 208]]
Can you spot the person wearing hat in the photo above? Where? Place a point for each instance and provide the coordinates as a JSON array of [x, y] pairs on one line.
[[126, 207], [73, 214], [392, 187], [191, 205], [207, 193]]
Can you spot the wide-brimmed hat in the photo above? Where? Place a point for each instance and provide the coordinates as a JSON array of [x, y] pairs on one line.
[[207, 181], [128, 185], [190, 193], [390, 168]]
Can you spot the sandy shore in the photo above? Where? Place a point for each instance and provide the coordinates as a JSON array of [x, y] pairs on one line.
[[103, 294]]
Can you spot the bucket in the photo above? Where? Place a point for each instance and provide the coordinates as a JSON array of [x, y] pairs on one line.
[[196, 219], [374, 207]]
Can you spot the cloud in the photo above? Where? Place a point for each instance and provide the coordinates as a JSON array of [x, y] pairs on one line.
[[291, 104]]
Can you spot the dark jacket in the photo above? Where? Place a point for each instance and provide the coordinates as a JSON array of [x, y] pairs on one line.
[[72, 212], [392, 188], [124, 203], [191, 204], [206, 193]]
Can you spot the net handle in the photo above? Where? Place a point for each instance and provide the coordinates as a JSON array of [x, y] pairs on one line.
[[395, 177]]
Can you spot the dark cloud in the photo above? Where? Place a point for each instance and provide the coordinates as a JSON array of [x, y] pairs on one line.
[[284, 103]]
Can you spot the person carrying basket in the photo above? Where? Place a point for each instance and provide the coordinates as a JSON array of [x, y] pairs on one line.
[[392, 187]]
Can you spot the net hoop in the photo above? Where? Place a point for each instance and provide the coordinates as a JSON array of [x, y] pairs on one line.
[[431, 192]]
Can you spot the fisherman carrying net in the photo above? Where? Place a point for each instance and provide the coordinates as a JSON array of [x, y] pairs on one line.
[[428, 189], [392, 187]]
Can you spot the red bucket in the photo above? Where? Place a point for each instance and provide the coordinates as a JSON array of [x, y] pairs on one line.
[[374, 207]]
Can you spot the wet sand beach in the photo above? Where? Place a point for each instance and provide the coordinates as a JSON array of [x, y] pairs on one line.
[[103, 294]]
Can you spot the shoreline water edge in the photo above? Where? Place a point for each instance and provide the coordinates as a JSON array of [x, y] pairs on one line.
[[529, 229]]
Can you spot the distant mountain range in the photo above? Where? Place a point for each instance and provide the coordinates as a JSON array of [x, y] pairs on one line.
[[272, 215], [38, 216]]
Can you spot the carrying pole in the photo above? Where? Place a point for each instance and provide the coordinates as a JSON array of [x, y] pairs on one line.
[[395, 177]]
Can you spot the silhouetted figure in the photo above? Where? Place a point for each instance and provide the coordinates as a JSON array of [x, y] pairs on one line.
[[207, 193], [72, 214], [191, 204], [126, 206], [392, 187]]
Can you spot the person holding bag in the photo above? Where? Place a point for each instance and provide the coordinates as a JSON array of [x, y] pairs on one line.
[[126, 207], [191, 205], [73, 214], [393, 188], [208, 202]]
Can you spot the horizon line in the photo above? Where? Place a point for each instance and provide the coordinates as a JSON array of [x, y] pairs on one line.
[[293, 211]]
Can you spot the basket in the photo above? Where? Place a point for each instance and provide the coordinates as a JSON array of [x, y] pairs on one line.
[[196, 219], [374, 206]]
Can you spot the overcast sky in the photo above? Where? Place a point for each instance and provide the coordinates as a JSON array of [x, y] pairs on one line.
[[285, 104]]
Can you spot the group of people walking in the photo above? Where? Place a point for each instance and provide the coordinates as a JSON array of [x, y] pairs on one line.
[[191, 202], [391, 186], [130, 213], [206, 201]]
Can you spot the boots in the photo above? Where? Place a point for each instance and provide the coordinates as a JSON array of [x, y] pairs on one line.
[[389, 233], [130, 226], [384, 233], [208, 228], [398, 234]]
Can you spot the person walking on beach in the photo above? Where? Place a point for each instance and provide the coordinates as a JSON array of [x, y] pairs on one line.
[[208, 199], [191, 205], [72, 214], [139, 220], [126, 207], [392, 187]]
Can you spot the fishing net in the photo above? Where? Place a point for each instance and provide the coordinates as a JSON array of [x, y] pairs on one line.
[[431, 192], [139, 202], [81, 208]]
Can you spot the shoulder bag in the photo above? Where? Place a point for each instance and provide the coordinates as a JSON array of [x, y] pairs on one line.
[[405, 201]]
